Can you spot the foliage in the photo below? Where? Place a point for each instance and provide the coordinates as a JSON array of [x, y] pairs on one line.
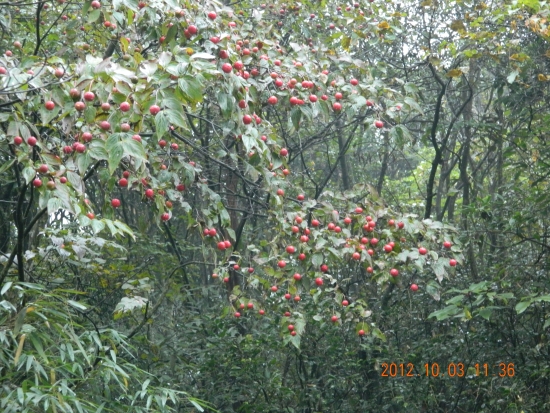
[[260, 207]]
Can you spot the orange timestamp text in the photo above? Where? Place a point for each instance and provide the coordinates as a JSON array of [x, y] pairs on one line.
[[449, 370]]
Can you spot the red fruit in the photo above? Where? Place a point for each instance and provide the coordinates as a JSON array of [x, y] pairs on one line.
[[304, 238], [370, 270], [149, 193], [105, 125], [90, 215], [364, 240], [452, 262], [297, 298], [123, 182], [96, 4], [274, 288], [287, 296], [391, 222], [221, 245], [315, 223], [358, 210], [238, 65], [87, 137], [281, 264], [388, 248], [80, 106], [236, 267], [227, 68], [354, 82], [125, 106], [214, 275], [212, 15], [247, 119], [290, 249], [89, 96], [3, 70], [370, 103], [165, 216], [293, 333], [334, 319], [447, 244], [422, 251], [49, 105], [347, 220], [319, 281], [345, 303], [223, 55], [225, 279], [105, 107], [261, 312], [154, 109], [414, 287], [324, 97], [136, 138], [237, 314], [373, 242], [394, 272], [18, 140], [115, 203], [338, 96], [80, 148], [192, 29], [300, 197], [370, 252], [272, 100], [331, 226], [280, 192], [215, 39], [37, 183], [361, 333], [283, 152], [336, 106], [356, 256], [302, 257], [180, 187], [63, 180], [290, 327], [379, 124], [43, 168], [162, 143], [227, 244], [400, 225], [242, 104], [297, 277], [250, 270], [324, 268]]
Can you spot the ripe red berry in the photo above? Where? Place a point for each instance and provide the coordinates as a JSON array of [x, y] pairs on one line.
[[115, 203], [452, 262], [394, 272], [49, 105], [89, 96], [154, 109], [361, 333], [447, 244], [414, 287], [165, 216], [297, 277], [422, 251], [37, 183], [345, 303], [125, 106], [319, 281]]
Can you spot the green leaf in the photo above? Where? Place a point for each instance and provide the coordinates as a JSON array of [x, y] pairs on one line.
[[191, 88], [446, 312], [29, 174], [76, 304], [172, 31], [522, 306], [6, 166], [115, 151], [317, 260], [412, 103], [133, 148], [226, 104], [161, 124], [296, 115], [378, 334], [93, 16]]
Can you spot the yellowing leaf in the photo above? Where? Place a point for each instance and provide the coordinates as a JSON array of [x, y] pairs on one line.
[[454, 73], [458, 26], [346, 42], [384, 25], [30, 309], [426, 3], [541, 77]]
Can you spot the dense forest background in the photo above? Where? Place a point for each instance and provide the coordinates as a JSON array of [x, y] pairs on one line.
[[298, 206]]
